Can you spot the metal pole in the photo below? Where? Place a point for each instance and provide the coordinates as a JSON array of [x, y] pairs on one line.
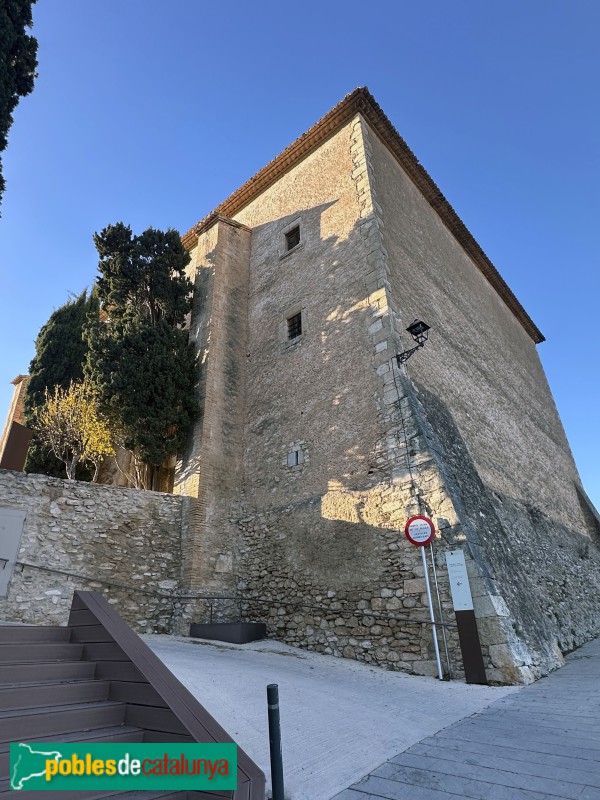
[[275, 742], [439, 602], [432, 616]]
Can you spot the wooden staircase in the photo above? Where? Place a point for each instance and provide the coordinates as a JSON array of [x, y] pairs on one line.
[[96, 680]]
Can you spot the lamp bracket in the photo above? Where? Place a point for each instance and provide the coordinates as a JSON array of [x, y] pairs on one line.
[[402, 357]]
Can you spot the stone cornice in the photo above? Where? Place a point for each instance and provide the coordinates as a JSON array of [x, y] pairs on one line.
[[360, 101]]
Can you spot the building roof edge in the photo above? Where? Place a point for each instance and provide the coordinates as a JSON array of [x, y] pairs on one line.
[[361, 101]]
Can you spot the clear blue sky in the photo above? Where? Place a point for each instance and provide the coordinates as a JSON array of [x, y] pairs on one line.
[[153, 112]]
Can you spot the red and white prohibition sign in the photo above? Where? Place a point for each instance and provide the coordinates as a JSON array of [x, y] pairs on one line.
[[419, 530]]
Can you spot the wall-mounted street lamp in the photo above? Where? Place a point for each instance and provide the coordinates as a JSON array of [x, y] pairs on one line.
[[420, 332]]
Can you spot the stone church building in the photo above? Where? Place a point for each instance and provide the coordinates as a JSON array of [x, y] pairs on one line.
[[313, 446]]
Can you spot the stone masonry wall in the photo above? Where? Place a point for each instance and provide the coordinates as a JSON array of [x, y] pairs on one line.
[[336, 542], [419, 480], [340, 446], [123, 542], [221, 337], [322, 557], [480, 399], [312, 599]]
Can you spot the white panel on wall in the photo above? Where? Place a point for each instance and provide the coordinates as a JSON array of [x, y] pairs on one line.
[[11, 528]]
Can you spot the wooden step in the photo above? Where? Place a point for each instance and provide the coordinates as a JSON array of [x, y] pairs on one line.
[[53, 721], [94, 794], [158, 737], [27, 671], [43, 651], [34, 633], [116, 733], [31, 695]]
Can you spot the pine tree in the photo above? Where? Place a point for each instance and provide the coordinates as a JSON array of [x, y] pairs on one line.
[[139, 357], [60, 352]]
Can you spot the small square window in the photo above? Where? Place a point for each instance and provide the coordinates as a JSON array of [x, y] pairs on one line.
[[294, 326], [292, 238]]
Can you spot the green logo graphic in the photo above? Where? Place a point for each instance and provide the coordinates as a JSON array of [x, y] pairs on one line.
[[122, 766]]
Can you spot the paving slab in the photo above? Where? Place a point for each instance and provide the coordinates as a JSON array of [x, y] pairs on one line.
[[540, 742]]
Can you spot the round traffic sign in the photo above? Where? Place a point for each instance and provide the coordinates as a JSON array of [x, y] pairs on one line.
[[419, 530]]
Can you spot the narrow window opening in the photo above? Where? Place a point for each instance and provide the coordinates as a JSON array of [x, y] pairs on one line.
[[292, 238], [295, 457], [294, 326]]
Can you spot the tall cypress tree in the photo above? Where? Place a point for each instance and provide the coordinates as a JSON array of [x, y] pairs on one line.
[[60, 353], [139, 357], [18, 62]]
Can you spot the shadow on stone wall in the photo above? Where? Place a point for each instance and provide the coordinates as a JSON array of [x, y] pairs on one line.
[[187, 466], [548, 574], [329, 532]]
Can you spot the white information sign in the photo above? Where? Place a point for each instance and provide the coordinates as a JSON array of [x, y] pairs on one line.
[[459, 580]]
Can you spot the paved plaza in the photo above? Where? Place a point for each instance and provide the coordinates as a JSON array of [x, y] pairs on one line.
[[541, 743], [340, 719], [396, 736]]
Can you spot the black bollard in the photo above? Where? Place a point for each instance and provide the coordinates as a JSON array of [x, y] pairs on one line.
[[275, 741]]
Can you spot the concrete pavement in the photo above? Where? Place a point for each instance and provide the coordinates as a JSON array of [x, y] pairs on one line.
[[340, 719], [542, 742]]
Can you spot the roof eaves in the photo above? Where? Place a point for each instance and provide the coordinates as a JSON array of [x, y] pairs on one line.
[[361, 101]]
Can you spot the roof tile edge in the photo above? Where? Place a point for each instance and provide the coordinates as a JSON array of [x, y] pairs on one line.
[[361, 101]]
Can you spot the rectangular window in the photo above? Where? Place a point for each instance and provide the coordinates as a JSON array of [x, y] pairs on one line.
[[295, 457], [294, 326], [292, 238]]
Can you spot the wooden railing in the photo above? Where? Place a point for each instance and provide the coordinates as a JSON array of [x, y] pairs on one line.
[[156, 701]]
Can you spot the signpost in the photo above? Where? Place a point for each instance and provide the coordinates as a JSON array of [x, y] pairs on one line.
[[459, 580], [420, 531], [462, 601]]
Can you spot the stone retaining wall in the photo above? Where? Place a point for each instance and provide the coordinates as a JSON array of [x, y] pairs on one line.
[[124, 542]]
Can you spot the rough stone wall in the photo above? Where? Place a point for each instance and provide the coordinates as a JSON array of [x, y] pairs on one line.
[[212, 470], [340, 446], [201, 270], [320, 539], [124, 542], [482, 402], [347, 589]]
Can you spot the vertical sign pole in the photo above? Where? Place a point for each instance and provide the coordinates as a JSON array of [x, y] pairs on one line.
[[439, 605], [432, 616]]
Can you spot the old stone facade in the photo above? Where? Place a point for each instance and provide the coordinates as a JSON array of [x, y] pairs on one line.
[[313, 447]]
